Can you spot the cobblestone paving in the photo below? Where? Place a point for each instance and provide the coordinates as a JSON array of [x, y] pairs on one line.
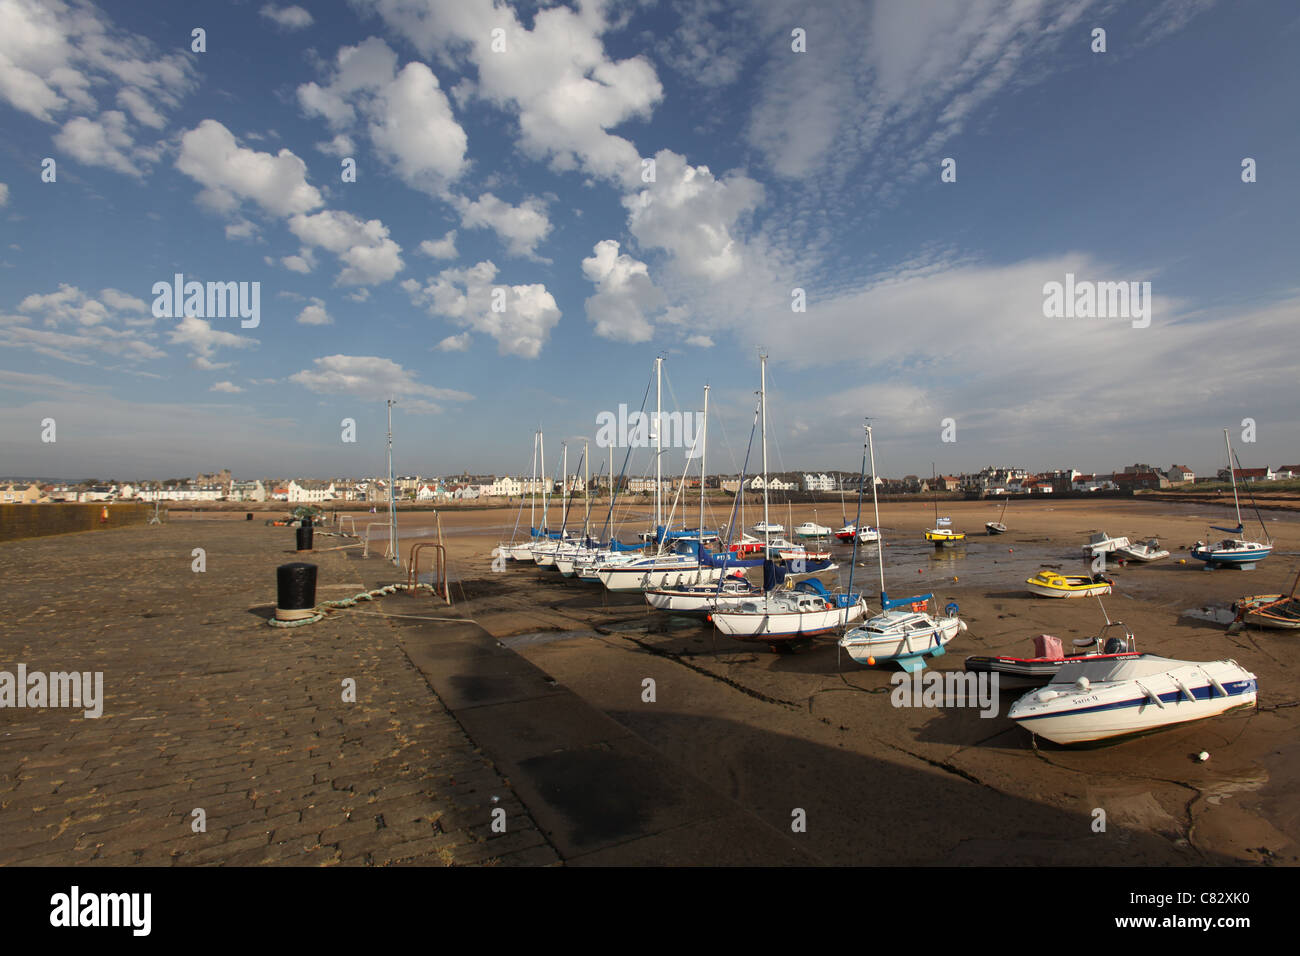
[[206, 707]]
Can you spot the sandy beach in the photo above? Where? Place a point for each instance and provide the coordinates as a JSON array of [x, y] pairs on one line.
[[813, 731]]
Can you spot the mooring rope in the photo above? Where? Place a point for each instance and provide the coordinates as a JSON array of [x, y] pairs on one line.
[[321, 610]]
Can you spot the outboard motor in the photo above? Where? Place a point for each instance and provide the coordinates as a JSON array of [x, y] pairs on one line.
[[1115, 645]]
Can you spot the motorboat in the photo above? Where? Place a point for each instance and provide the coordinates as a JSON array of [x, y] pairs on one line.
[[1099, 542], [1049, 657], [1102, 699], [868, 535], [768, 527], [1050, 584], [811, 529], [1142, 552]]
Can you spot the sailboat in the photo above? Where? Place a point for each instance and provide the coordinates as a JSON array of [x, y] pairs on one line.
[[942, 534], [1233, 552], [997, 527], [688, 563], [904, 631], [523, 552], [804, 611]]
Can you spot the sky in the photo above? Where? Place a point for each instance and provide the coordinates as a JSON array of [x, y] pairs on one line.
[[499, 215]]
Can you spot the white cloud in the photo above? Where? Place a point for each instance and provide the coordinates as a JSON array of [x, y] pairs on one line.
[[566, 91], [700, 341], [290, 18], [444, 248], [455, 343], [521, 227], [229, 387], [315, 314], [199, 336], [207, 365], [694, 216], [4, 194], [240, 229], [407, 115], [341, 145], [103, 142], [363, 246], [303, 262], [372, 378], [625, 296], [526, 314], [230, 173]]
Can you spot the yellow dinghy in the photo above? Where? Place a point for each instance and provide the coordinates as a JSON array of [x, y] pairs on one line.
[[1051, 584]]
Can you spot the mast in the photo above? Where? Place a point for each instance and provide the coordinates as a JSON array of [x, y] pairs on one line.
[[762, 402], [875, 504], [532, 506], [393, 505], [1232, 473], [586, 489], [545, 498], [704, 450], [853, 561], [564, 487], [659, 441]]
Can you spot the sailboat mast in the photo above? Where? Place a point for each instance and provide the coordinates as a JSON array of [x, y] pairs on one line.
[[586, 488], [532, 504], [762, 402], [564, 486], [1232, 473], [704, 451], [659, 440], [546, 527], [875, 504]]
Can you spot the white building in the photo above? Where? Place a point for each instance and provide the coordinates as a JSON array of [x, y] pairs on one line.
[[818, 483], [311, 492], [247, 491]]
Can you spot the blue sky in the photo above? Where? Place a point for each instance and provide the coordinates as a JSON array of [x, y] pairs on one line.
[[520, 168]]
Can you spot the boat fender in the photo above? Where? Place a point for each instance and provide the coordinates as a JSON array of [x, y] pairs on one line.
[[1083, 684], [1216, 685], [951, 609], [1151, 696]]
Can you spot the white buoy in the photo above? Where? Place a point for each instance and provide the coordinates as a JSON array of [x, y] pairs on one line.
[[1203, 756]]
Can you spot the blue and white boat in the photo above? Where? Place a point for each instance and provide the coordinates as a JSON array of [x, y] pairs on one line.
[[904, 631], [1236, 551], [1116, 697]]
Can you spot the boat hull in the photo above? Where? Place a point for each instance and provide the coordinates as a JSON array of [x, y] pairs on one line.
[[1243, 558], [908, 649], [994, 527], [1279, 611], [1186, 692], [777, 625], [634, 579], [1078, 592]]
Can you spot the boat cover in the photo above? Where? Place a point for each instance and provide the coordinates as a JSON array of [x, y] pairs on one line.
[[1048, 646]]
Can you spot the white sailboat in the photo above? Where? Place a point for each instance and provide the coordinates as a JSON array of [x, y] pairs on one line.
[[802, 612], [523, 551], [1236, 551], [904, 631]]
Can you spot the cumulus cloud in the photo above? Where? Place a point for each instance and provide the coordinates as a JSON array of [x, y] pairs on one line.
[[289, 18], [455, 343], [625, 297], [102, 142], [520, 227], [519, 317], [372, 378], [4, 194], [203, 340], [444, 248], [364, 247], [566, 91], [229, 387], [230, 173], [404, 112], [77, 327], [315, 314]]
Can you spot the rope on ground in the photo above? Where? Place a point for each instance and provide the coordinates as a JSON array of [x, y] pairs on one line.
[[321, 610]]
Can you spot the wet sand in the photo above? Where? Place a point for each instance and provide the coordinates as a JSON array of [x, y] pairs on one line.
[[887, 785]]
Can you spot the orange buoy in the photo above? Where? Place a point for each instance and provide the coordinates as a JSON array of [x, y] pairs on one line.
[[103, 514], [871, 662]]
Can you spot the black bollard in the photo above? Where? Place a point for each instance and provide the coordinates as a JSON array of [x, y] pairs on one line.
[[249, 516], [295, 591], [304, 536]]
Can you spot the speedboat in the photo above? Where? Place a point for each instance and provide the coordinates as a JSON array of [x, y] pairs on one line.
[[868, 535], [1051, 584], [1049, 657], [1101, 699], [1144, 551], [846, 533], [811, 529], [768, 527], [1101, 543], [903, 631]]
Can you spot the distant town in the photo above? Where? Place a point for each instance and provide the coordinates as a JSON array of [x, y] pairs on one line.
[[988, 482]]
